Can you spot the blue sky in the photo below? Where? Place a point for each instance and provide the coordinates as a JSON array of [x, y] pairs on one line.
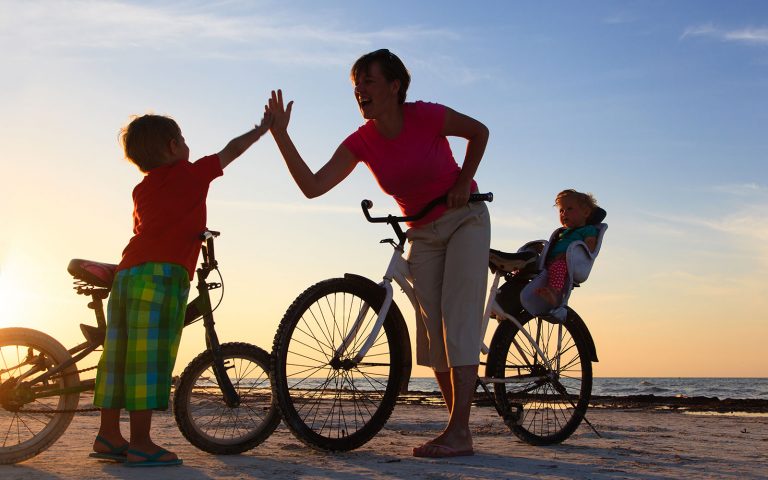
[[657, 107]]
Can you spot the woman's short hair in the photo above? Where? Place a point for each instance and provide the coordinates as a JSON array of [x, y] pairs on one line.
[[145, 140], [391, 67]]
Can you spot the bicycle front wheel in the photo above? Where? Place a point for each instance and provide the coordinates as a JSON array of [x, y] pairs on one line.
[[327, 399], [207, 421], [549, 398], [34, 414]]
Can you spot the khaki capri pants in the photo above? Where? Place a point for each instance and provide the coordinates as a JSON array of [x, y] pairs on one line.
[[448, 259]]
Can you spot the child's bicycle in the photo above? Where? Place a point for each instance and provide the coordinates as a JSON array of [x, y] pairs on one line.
[[342, 354], [222, 400]]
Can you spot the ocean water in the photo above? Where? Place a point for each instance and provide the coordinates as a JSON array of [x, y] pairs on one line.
[[722, 388]]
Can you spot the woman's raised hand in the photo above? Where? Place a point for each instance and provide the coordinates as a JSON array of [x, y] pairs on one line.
[[281, 114]]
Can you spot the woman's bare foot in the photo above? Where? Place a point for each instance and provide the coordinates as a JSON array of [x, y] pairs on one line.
[[445, 446]]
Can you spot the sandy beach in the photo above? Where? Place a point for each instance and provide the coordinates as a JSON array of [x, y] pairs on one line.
[[636, 443]]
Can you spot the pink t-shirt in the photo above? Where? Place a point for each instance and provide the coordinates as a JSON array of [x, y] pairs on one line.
[[415, 167]]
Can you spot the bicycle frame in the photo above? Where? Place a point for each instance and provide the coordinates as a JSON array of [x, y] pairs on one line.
[[202, 303], [399, 271]]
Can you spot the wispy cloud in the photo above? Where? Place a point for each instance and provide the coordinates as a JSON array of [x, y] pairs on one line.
[[749, 217], [748, 223], [747, 35], [56, 27], [742, 189], [448, 69], [744, 229]]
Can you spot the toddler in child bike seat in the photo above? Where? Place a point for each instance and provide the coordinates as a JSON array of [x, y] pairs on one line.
[[574, 210]]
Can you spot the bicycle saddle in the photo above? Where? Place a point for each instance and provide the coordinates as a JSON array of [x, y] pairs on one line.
[[509, 262], [93, 273]]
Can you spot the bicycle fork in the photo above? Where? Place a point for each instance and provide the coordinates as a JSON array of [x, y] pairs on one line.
[[397, 270], [203, 304]]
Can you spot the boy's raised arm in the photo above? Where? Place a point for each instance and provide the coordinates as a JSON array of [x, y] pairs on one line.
[[240, 144]]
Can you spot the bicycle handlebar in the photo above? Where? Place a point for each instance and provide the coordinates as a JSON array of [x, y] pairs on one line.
[[391, 219], [208, 234]]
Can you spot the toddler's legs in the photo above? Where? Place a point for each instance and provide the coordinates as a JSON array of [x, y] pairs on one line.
[[556, 274]]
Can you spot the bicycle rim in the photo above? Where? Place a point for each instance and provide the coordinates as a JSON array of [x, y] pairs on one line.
[[202, 414], [327, 401], [550, 400], [29, 426]]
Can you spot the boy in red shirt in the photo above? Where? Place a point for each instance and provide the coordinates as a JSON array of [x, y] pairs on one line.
[[149, 295]]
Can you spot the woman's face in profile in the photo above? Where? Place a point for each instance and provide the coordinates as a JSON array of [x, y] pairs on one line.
[[374, 94]]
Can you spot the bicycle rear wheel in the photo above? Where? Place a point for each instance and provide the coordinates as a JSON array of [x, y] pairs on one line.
[[205, 419], [549, 400], [327, 400], [29, 421]]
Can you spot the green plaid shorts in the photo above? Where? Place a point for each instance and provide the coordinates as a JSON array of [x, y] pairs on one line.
[[145, 316]]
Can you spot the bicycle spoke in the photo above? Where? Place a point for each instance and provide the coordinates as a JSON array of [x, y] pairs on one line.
[[42, 410], [330, 399], [556, 393], [320, 348], [205, 418]]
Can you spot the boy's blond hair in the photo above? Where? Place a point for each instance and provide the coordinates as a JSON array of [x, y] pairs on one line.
[[146, 139], [585, 199]]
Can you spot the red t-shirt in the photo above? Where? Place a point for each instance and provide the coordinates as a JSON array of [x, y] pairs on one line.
[[169, 214], [415, 167]]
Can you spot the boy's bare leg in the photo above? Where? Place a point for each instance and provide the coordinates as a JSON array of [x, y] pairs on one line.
[[109, 430], [141, 423]]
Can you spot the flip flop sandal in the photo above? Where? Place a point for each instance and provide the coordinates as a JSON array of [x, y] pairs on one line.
[[115, 454], [152, 460]]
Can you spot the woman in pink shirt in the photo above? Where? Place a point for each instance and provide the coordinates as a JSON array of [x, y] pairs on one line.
[[405, 147]]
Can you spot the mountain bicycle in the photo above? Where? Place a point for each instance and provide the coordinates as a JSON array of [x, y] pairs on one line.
[[222, 401], [342, 354]]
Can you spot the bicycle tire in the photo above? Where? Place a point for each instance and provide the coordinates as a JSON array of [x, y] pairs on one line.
[[205, 419], [553, 401], [26, 434], [329, 407]]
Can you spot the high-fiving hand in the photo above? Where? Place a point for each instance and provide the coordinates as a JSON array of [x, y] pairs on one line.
[[281, 115], [266, 122]]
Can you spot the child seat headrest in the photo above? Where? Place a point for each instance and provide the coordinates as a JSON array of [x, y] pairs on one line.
[[596, 217]]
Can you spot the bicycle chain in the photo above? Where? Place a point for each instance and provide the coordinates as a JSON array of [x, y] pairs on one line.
[[69, 410]]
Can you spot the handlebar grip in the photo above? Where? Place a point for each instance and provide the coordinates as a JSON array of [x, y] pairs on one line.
[[366, 204], [481, 197], [209, 234]]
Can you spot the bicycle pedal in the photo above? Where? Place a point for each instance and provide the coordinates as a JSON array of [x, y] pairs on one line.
[[94, 335]]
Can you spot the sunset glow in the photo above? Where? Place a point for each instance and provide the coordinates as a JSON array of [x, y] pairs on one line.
[[658, 108]]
